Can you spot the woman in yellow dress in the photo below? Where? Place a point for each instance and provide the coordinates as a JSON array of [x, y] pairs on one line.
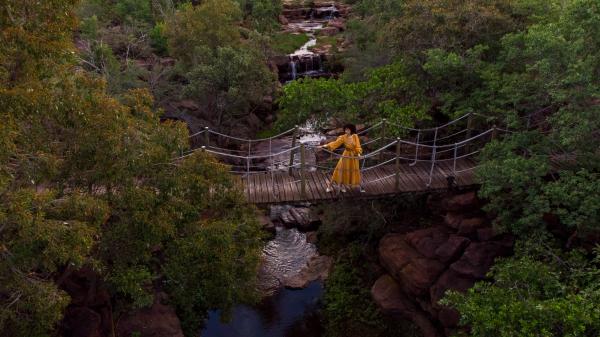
[[347, 170]]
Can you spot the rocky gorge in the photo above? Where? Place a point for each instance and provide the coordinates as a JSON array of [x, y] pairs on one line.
[[421, 265]]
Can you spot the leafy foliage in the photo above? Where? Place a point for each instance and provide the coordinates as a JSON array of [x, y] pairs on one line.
[[388, 92], [348, 304], [88, 180], [532, 297]]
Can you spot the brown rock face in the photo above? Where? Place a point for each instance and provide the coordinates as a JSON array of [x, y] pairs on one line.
[[461, 202], [318, 268], [329, 31], [451, 249], [424, 264], [413, 270], [389, 296], [338, 23], [426, 241], [470, 226], [478, 258], [449, 280], [453, 219], [157, 321]]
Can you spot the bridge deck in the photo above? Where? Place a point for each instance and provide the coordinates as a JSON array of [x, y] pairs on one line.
[[279, 186]]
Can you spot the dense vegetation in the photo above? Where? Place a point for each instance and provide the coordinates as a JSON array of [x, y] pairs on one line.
[[88, 177], [528, 65]]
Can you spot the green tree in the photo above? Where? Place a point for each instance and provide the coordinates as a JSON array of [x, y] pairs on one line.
[[211, 24], [88, 180], [230, 82], [534, 295]]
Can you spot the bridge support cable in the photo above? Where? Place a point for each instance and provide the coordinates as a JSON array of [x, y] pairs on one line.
[[433, 154], [382, 170]]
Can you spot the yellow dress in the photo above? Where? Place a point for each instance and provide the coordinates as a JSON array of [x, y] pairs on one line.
[[347, 170]]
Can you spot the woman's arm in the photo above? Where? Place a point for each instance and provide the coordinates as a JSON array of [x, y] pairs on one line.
[[357, 147], [335, 144]]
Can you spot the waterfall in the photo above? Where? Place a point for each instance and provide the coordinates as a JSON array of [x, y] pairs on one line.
[[293, 67]]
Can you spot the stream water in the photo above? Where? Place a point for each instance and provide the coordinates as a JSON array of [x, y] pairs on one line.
[[283, 312]]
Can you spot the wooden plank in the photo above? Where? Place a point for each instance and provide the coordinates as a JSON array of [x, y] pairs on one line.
[[416, 183], [294, 188], [287, 181], [406, 184], [391, 169], [259, 188], [381, 182], [276, 187], [270, 178], [419, 175], [316, 186], [365, 177], [287, 195], [324, 178], [439, 177], [252, 190], [309, 188]]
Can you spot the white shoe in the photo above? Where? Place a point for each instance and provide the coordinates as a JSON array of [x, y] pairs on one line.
[[343, 190], [328, 189], [362, 190]]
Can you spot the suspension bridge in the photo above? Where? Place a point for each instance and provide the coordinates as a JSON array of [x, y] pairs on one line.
[[283, 168]]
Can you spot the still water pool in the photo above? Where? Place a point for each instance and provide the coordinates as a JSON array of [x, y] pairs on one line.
[[288, 313]]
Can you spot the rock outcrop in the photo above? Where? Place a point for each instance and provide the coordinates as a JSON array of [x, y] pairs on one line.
[[423, 264], [317, 268], [159, 320], [90, 312]]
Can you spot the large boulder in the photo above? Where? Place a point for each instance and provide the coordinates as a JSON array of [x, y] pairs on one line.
[[426, 241], [388, 295], [478, 258], [157, 321], [461, 202], [317, 268], [413, 270], [470, 226], [300, 217], [452, 248], [329, 31]]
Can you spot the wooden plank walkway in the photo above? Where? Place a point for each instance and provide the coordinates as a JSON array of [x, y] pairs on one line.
[[280, 187]]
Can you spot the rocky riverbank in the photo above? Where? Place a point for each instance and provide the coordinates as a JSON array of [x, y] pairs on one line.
[[423, 264]]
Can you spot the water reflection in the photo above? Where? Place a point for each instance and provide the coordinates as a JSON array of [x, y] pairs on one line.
[[289, 313]]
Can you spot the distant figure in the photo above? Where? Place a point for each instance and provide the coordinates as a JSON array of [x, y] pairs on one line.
[[347, 170]]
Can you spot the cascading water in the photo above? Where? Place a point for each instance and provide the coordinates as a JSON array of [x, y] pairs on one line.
[[293, 67]]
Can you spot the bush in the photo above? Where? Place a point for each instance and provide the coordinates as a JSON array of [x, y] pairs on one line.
[[158, 39]]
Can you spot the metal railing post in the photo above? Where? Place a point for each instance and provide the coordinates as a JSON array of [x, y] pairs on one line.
[[206, 136], [294, 136], [454, 162], [383, 122], [469, 131], [302, 170], [494, 132], [398, 163]]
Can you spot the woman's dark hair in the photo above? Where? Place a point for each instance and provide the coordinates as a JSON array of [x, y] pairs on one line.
[[352, 128]]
